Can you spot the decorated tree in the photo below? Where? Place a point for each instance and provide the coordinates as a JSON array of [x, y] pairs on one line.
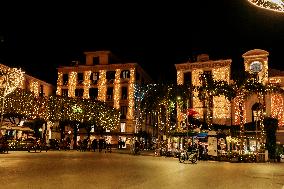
[[161, 100], [21, 104], [77, 112], [10, 79]]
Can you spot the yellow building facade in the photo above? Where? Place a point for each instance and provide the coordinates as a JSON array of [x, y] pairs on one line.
[[225, 112], [103, 77]]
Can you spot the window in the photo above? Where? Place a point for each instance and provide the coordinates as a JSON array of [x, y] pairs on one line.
[[187, 78], [95, 76], [79, 92], [80, 78], [64, 92], [209, 73], [110, 76], [124, 93], [122, 127], [93, 92], [123, 112], [109, 93], [125, 74], [96, 60], [65, 79], [41, 93]]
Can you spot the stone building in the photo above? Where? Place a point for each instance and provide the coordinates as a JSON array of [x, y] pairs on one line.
[[39, 88], [225, 112], [105, 78]]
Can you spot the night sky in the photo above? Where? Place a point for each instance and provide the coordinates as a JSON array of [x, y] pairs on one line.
[[41, 37]]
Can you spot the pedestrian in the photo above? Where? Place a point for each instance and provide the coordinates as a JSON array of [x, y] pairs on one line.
[[94, 144], [101, 143]]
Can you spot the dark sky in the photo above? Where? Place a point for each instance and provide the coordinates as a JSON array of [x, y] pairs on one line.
[[41, 37]]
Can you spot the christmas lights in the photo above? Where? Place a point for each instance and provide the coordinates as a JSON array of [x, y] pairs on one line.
[[274, 5], [117, 90], [72, 83], [59, 84], [277, 105], [102, 86], [87, 83], [197, 104], [10, 79], [34, 88], [180, 77], [131, 88]]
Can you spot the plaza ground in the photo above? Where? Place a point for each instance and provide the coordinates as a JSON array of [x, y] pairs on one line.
[[88, 170]]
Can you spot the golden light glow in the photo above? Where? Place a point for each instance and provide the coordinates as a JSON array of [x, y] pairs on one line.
[[238, 101], [277, 105], [10, 79], [274, 5], [221, 74], [197, 104], [131, 88], [180, 77], [86, 83], [222, 107], [59, 83], [180, 81], [72, 82], [34, 88], [117, 92], [102, 86], [274, 80]]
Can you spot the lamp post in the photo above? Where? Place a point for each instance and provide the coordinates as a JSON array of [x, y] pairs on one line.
[[187, 121]]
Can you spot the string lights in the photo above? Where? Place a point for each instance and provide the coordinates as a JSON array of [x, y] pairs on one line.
[[59, 84], [10, 79], [87, 83], [131, 89], [72, 83], [277, 105], [117, 91], [274, 5], [102, 87], [197, 104], [34, 88]]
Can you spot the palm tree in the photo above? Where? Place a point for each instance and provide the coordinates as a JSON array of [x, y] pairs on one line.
[[161, 100], [245, 86]]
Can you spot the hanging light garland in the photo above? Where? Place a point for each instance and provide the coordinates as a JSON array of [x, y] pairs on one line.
[[274, 5]]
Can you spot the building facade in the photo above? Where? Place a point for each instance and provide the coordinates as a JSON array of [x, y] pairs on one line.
[[104, 78], [38, 88], [224, 111]]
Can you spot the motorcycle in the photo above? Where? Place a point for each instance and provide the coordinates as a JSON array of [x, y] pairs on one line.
[[188, 156]]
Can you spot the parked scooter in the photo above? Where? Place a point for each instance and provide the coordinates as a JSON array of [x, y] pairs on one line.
[[188, 156]]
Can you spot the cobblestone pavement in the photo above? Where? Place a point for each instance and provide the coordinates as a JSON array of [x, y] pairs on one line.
[[90, 170]]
